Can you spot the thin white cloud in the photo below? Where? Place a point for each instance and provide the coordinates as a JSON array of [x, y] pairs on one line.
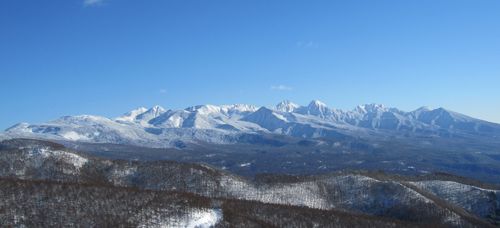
[[281, 88], [92, 2], [163, 91], [307, 44]]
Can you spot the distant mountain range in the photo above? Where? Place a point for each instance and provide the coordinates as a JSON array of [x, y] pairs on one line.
[[248, 166], [231, 124]]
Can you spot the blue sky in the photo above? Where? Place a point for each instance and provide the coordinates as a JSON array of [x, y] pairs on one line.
[[105, 57]]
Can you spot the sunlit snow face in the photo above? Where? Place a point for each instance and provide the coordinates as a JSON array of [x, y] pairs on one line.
[[196, 218]]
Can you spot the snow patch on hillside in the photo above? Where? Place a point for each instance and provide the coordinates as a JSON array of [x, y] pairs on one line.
[[71, 135], [43, 153], [202, 219], [197, 218]]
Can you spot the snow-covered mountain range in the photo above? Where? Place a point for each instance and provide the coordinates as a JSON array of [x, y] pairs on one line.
[[225, 124]]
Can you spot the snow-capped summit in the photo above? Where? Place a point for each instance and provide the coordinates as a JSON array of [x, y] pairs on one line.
[[222, 109], [156, 110], [318, 108], [370, 108], [286, 106], [239, 108], [267, 118], [141, 115], [150, 114], [204, 109], [132, 115], [446, 119], [317, 104], [419, 111]]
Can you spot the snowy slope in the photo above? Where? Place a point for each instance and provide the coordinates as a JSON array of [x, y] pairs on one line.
[[479, 201], [286, 106], [158, 127], [103, 130], [356, 192], [132, 115], [196, 218]]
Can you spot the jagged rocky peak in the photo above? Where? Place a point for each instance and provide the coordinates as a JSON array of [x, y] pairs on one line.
[[152, 113], [317, 104], [142, 114], [204, 109], [222, 109], [239, 108], [156, 110], [286, 106], [318, 108], [139, 110], [370, 108]]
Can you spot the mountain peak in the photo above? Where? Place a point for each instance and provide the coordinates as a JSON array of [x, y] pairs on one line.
[[441, 109], [204, 109], [150, 114], [264, 109], [367, 108], [317, 103], [241, 108], [140, 109], [318, 108], [156, 109], [130, 116], [286, 106], [424, 108], [223, 109], [19, 126]]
